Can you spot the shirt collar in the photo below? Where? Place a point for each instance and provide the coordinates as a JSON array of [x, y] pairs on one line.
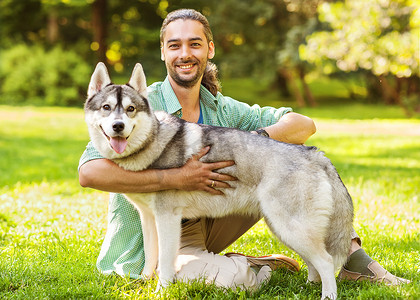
[[172, 103], [207, 98]]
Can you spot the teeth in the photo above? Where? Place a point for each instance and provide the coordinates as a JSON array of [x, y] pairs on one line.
[[186, 67]]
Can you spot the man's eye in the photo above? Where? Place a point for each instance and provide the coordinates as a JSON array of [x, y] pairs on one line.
[[131, 109], [106, 107]]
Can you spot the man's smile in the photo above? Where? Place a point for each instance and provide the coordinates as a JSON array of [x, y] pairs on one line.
[[186, 67]]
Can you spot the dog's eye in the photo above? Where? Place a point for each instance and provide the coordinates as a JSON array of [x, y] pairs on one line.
[[130, 109], [106, 107]]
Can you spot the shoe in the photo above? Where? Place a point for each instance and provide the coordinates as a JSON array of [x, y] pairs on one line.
[[378, 275], [274, 261]]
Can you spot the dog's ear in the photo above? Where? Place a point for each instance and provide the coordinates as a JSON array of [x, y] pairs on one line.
[[138, 80], [99, 79]]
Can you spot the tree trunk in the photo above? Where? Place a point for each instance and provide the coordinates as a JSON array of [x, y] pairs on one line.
[[306, 90], [280, 82], [295, 89], [391, 93], [99, 24], [52, 26]]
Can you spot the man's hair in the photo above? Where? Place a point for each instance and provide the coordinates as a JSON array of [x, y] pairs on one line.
[[210, 78]]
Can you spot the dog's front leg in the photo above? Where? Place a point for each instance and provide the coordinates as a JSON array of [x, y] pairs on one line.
[[169, 234], [150, 241]]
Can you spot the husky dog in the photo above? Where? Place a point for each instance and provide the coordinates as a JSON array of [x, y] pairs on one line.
[[295, 188]]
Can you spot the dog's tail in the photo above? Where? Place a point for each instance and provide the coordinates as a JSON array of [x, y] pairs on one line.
[[341, 222]]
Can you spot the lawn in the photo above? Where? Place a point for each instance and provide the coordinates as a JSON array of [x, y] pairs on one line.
[[51, 229]]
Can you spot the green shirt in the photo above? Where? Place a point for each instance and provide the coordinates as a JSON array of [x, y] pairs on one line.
[[122, 250]]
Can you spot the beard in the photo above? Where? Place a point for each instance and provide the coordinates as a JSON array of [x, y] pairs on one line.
[[187, 80]]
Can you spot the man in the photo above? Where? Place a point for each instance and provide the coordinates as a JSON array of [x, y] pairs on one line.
[[190, 91]]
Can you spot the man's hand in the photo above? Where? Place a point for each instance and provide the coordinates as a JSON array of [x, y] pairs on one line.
[[197, 175]]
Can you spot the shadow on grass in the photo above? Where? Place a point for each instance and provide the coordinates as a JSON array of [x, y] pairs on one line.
[[372, 158]]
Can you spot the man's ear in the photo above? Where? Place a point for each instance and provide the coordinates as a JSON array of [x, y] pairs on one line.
[[138, 80], [162, 56], [99, 79], [212, 50]]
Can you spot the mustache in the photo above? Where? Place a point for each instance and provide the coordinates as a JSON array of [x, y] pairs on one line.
[[186, 61]]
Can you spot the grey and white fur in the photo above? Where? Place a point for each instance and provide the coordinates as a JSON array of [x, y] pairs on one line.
[[295, 188]]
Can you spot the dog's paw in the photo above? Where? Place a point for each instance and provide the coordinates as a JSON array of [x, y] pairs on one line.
[[146, 277], [315, 279], [149, 271], [148, 274], [330, 296], [158, 288], [162, 284]]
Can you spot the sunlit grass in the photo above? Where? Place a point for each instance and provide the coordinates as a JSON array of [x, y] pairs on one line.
[[51, 229], [39, 144]]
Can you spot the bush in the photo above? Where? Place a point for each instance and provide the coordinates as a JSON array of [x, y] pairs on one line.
[[32, 75]]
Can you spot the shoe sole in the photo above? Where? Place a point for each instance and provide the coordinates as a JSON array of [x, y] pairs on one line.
[[274, 261]]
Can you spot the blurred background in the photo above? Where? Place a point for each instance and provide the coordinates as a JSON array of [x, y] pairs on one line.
[[352, 66], [302, 53]]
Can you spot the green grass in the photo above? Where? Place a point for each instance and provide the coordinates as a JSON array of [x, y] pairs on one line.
[[51, 229]]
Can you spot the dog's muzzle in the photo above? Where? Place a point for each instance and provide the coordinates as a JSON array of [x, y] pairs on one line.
[[117, 143], [118, 126]]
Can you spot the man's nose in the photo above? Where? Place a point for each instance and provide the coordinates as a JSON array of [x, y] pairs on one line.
[[185, 52]]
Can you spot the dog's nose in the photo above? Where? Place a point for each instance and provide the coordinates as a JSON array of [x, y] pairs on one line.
[[118, 126]]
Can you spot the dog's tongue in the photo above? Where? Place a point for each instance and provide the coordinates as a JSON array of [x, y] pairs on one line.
[[118, 144]]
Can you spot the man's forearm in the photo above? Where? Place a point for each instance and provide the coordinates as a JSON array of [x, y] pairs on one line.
[[104, 175], [292, 128]]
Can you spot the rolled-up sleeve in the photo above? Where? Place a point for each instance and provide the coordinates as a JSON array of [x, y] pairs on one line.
[[90, 153], [243, 116]]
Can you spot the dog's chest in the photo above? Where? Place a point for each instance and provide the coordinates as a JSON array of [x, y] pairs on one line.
[[142, 200]]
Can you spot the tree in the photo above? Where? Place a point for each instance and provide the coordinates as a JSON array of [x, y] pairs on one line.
[[262, 38], [378, 37], [100, 26], [291, 66], [118, 33]]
